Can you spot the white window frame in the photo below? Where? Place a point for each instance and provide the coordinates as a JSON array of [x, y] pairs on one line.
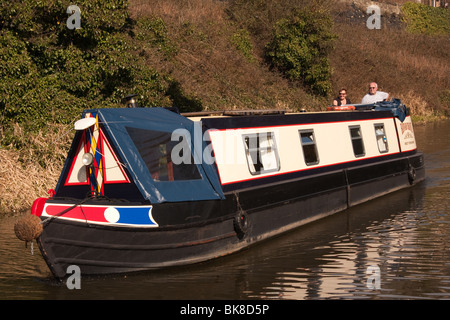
[[354, 139], [381, 137], [307, 144], [261, 152]]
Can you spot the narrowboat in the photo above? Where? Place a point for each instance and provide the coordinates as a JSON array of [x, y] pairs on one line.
[[150, 188]]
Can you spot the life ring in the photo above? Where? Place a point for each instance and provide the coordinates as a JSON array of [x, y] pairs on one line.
[[240, 224], [341, 108]]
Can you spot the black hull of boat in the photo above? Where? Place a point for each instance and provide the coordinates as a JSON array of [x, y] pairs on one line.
[[222, 227]]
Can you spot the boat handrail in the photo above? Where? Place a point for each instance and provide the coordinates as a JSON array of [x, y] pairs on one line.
[[249, 112]]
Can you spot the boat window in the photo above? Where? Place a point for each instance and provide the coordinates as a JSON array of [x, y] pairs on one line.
[[381, 138], [261, 152], [309, 147], [155, 149], [357, 141]]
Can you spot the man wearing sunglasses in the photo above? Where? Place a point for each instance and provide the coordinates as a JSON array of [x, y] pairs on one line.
[[374, 95]]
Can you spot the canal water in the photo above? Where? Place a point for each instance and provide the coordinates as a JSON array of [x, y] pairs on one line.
[[394, 247]]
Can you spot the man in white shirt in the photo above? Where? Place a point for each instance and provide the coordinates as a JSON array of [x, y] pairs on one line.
[[374, 95]]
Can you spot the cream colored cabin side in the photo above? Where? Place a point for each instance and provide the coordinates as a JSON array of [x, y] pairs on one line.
[[250, 153]]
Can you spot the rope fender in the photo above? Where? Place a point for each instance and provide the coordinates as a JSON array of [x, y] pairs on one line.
[[28, 228]]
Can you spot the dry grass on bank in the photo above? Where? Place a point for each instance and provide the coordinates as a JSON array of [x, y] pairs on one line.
[[414, 68], [209, 67], [30, 173], [181, 11]]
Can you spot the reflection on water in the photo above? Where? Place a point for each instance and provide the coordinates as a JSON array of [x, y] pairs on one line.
[[408, 247], [405, 234]]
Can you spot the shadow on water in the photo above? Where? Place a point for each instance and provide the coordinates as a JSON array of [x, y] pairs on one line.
[[404, 234]]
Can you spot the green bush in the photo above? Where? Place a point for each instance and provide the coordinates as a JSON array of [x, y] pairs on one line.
[[242, 41], [420, 18], [50, 73], [300, 49], [154, 32]]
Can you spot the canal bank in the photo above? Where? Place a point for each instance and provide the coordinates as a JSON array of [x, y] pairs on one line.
[[29, 172]]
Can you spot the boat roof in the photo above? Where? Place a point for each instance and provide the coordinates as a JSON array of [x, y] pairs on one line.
[[395, 107]]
